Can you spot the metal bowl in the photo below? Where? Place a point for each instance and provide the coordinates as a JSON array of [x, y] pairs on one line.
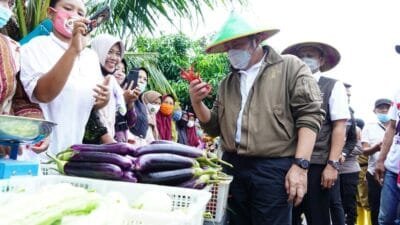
[[16, 129]]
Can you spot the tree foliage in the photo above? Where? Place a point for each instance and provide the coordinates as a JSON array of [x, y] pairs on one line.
[[176, 52]]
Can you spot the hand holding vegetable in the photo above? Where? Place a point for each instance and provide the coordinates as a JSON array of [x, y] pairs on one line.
[[191, 77], [198, 91], [102, 95]]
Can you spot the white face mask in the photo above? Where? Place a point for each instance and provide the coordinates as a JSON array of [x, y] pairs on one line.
[[153, 108], [239, 58], [190, 123], [142, 87], [312, 63]]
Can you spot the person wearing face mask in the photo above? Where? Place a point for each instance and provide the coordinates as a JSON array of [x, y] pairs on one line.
[[372, 137], [152, 99], [63, 76], [181, 126], [193, 139], [324, 168], [267, 114], [13, 100], [176, 116], [164, 117]]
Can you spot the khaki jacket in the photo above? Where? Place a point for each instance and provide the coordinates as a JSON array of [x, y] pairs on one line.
[[284, 97]]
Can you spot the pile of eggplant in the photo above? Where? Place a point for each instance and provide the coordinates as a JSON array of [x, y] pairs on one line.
[[161, 162]]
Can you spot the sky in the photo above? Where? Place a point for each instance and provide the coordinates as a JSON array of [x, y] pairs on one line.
[[364, 31]]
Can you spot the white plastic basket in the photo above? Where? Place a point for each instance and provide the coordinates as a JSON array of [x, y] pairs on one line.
[[218, 202], [48, 169], [192, 201]]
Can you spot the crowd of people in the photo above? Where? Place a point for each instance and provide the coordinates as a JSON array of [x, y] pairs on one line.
[[298, 153], [83, 87]]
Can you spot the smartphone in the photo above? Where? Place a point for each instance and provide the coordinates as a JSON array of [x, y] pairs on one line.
[[133, 75], [101, 16]]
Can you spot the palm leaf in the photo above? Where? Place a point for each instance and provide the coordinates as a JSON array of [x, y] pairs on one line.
[[157, 80], [136, 16]]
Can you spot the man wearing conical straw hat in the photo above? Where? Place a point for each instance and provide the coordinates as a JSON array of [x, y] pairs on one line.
[[323, 172], [267, 114]]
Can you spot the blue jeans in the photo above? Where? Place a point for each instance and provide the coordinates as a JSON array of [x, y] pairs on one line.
[[390, 199]]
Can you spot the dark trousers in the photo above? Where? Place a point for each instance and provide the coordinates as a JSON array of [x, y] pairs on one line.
[[315, 204], [336, 206], [257, 192], [348, 189], [374, 197]]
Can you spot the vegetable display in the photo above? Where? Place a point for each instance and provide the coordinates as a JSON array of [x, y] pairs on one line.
[[161, 162]]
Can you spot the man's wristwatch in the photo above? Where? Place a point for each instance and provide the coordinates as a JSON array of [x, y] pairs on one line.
[[302, 163], [334, 163]]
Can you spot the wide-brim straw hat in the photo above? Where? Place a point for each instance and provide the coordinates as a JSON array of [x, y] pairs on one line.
[[234, 28], [330, 54]]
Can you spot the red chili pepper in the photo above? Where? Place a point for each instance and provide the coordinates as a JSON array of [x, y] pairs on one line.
[[190, 76]]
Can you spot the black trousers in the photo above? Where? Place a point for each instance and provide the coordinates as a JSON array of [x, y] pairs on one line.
[[374, 197], [348, 189], [315, 204], [336, 205], [257, 192]]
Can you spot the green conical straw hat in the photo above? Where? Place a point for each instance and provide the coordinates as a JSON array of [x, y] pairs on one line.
[[234, 28]]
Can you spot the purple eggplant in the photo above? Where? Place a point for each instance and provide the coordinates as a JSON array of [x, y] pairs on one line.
[[163, 142], [93, 170], [163, 161], [177, 149], [88, 169], [133, 159], [118, 148], [129, 176], [194, 183], [101, 157], [170, 177]]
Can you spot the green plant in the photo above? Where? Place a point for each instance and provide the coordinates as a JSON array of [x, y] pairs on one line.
[[30, 13], [176, 52]]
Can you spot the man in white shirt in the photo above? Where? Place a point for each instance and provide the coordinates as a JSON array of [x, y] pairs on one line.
[[371, 139], [387, 166], [323, 171]]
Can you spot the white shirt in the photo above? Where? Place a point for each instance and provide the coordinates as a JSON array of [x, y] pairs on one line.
[[247, 78], [71, 108], [108, 113], [393, 159], [372, 134], [338, 101]]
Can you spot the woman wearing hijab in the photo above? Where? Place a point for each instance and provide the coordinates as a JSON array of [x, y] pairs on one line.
[[152, 100], [181, 126], [142, 123], [164, 117], [116, 116], [193, 139]]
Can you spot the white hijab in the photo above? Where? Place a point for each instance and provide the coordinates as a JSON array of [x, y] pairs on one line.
[[102, 44]]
